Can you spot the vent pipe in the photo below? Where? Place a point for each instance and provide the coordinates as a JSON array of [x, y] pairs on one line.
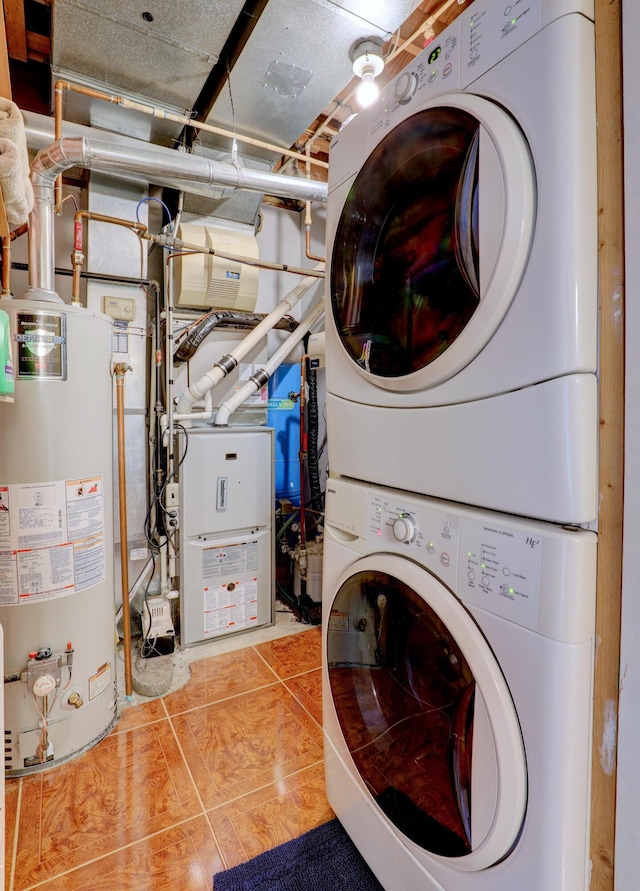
[[162, 167]]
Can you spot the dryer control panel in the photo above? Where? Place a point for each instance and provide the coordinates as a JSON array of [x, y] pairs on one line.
[[490, 31], [434, 72]]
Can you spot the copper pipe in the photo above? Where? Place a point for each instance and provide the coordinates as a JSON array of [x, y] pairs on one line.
[[77, 257], [62, 85], [120, 369], [184, 247], [307, 216], [5, 235], [21, 230], [308, 246], [57, 201], [6, 267]]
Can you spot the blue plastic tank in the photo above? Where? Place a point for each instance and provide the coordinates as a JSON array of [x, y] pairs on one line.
[[284, 416]]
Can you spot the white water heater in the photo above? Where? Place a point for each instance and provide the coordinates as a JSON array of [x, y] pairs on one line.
[[56, 535]]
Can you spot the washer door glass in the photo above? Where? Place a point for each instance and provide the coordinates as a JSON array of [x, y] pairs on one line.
[[426, 714], [435, 231]]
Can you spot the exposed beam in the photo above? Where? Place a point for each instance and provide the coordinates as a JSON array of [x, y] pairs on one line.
[[5, 78], [38, 47], [610, 516], [16, 29], [413, 50]]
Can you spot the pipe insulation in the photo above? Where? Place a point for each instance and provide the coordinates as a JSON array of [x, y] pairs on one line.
[[260, 378], [162, 167], [14, 164], [227, 363]]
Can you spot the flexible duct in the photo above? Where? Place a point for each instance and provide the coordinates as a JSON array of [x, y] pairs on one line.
[[163, 167], [227, 363], [260, 378], [223, 318]]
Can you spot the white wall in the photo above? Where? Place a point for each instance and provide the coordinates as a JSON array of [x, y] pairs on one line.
[[628, 793]]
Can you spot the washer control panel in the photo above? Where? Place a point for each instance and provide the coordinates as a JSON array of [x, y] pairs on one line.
[[500, 568], [491, 565], [405, 526]]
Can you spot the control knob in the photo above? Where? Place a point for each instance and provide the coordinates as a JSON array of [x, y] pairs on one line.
[[404, 529], [406, 86]]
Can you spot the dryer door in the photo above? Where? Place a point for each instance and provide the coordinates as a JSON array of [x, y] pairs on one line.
[[425, 712], [432, 243]]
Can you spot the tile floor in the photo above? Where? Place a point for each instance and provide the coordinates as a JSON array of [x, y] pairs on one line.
[[186, 785]]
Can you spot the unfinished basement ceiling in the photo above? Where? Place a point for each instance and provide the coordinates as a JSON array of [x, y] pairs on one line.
[[274, 70], [287, 59]]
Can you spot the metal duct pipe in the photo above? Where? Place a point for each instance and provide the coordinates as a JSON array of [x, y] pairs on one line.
[[163, 167]]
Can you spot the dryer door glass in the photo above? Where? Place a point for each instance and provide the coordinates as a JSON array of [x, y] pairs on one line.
[[406, 700], [405, 274]]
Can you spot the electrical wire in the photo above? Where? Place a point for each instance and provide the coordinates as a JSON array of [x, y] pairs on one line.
[[148, 647], [153, 198], [44, 727]]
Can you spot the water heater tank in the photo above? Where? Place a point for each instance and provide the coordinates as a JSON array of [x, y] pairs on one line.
[[56, 535]]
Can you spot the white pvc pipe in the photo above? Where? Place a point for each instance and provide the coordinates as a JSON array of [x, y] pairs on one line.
[[222, 368], [259, 379]]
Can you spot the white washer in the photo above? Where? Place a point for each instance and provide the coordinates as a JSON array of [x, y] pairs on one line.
[[457, 691], [462, 235]]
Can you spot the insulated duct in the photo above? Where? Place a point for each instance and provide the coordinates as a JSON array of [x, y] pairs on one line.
[[163, 167]]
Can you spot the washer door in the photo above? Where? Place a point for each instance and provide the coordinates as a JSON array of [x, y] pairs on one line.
[[432, 243], [425, 712]]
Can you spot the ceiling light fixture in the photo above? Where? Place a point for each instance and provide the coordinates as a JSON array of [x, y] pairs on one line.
[[368, 63]]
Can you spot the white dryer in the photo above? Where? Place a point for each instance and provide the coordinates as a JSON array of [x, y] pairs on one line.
[[457, 691], [462, 236]]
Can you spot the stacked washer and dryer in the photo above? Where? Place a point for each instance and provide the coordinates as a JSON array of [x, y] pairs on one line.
[[460, 543]]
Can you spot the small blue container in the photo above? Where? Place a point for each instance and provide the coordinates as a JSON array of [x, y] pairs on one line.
[[284, 416]]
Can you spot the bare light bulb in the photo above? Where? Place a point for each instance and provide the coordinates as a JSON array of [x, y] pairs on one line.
[[368, 90], [368, 63]]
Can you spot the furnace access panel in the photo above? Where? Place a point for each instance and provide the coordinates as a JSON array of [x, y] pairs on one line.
[[226, 532]]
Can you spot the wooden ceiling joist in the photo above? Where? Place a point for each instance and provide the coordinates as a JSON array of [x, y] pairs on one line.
[[38, 47], [16, 29]]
